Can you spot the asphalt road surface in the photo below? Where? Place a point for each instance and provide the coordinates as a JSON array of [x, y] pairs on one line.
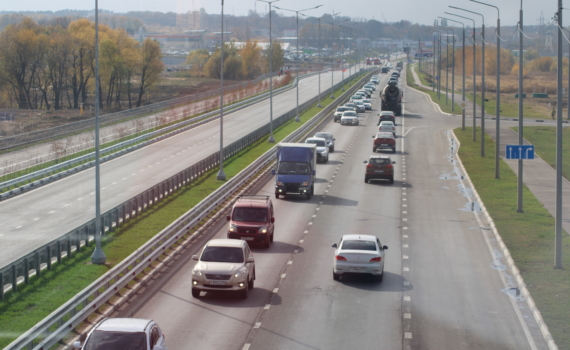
[[445, 286], [39, 216]]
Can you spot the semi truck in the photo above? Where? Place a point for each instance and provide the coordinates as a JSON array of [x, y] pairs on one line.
[[296, 169], [391, 97]]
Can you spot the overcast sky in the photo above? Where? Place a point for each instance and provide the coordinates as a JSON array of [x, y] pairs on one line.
[[415, 11]]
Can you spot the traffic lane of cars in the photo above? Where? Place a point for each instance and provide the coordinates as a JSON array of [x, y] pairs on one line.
[[59, 207], [317, 312], [456, 296], [222, 321]]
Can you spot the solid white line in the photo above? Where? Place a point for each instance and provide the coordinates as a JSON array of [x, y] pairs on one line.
[[246, 347], [275, 290]]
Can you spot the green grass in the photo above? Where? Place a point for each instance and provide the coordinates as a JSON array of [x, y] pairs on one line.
[[433, 94], [529, 236], [21, 310], [544, 140]]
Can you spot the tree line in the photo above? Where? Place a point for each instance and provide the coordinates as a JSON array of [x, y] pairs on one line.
[[53, 66]]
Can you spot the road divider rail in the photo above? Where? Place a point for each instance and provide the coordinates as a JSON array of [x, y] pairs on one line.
[[57, 325]]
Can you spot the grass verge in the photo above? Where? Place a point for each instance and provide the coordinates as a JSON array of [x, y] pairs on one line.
[[433, 94], [529, 236], [22, 310]]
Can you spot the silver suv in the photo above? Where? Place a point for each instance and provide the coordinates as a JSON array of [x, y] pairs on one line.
[[329, 137], [322, 148], [224, 265]]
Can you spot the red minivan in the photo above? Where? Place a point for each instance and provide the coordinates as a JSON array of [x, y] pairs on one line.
[[252, 220]]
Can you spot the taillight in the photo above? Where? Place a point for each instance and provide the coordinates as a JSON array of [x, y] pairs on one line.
[[370, 166], [340, 258], [389, 166], [376, 259]]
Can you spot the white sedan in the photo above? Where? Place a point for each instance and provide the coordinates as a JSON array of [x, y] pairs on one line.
[[387, 126], [359, 254]]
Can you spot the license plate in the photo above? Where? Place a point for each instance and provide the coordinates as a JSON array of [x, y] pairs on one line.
[[217, 283], [357, 269], [384, 144], [247, 238], [379, 171]]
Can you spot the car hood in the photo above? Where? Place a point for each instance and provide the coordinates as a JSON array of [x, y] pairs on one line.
[[321, 149], [218, 267]]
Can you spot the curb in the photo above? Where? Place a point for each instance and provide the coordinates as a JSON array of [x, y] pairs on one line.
[[515, 271]]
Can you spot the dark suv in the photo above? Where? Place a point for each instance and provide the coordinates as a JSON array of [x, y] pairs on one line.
[[252, 220], [379, 167], [384, 140]]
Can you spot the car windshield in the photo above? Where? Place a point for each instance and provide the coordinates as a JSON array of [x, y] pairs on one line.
[[366, 101], [379, 161], [358, 245], [349, 114], [293, 168], [250, 214], [341, 109], [323, 135], [223, 254], [321, 143], [105, 340]]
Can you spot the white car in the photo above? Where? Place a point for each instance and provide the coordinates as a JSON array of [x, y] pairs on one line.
[[367, 104], [124, 333], [224, 265], [349, 118], [359, 254], [339, 111], [329, 137], [322, 147], [387, 126]]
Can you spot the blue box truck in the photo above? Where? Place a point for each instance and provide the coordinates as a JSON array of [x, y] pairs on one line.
[[296, 169]]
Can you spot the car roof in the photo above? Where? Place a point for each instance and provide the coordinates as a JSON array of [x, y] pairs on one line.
[[224, 242], [359, 237], [124, 325], [386, 113], [377, 156], [252, 201], [316, 138], [323, 133], [386, 122]]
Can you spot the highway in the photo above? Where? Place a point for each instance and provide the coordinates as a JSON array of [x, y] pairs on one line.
[[445, 286], [39, 216]]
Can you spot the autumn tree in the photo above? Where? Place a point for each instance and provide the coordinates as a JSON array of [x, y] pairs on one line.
[[82, 35], [277, 56], [58, 56], [150, 66], [250, 60]]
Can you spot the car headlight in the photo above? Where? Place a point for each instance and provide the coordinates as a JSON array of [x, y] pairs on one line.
[[233, 228], [241, 272], [305, 183], [263, 229], [197, 272], [279, 183]]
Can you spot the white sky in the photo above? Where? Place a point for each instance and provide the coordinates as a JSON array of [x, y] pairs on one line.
[[416, 11]]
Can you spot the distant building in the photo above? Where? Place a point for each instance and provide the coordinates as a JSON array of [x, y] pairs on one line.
[[290, 33], [189, 20]]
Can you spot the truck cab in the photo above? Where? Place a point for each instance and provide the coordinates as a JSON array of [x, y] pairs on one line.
[[296, 169]]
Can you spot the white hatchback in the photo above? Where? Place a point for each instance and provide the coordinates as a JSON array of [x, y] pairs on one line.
[[387, 126], [359, 254]]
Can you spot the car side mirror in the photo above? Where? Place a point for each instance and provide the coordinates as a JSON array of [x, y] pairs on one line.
[[334, 139], [385, 247], [250, 259], [394, 162], [335, 245], [272, 171], [373, 136], [194, 257], [272, 219], [365, 162], [77, 345], [313, 172], [228, 218]]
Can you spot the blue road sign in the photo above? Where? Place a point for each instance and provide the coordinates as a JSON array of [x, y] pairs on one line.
[[520, 151]]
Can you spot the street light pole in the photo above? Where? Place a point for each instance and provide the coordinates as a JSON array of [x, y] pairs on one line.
[[474, 76], [221, 174], [498, 79], [463, 73], [271, 138], [332, 61], [559, 188], [447, 65], [320, 64], [297, 119], [98, 256]]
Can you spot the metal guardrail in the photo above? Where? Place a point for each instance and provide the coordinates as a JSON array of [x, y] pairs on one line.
[[123, 147], [23, 139], [57, 325]]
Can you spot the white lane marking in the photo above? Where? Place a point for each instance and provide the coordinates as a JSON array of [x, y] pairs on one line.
[[289, 262], [124, 178], [318, 209], [313, 215], [306, 231], [36, 219], [51, 212], [406, 269], [403, 205], [407, 298], [246, 346], [295, 251], [257, 325], [405, 228], [275, 290], [301, 241], [406, 315], [114, 183], [404, 219], [267, 306], [405, 246], [408, 335], [310, 223], [66, 205], [405, 257], [404, 212], [17, 227], [405, 236], [80, 199], [283, 275]]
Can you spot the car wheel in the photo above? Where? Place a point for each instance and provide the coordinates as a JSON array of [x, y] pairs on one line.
[[309, 194], [250, 284], [327, 159], [392, 179], [266, 244], [336, 276], [195, 293], [277, 195], [366, 179], [331, 149], [394, 150], [379, 278], [245, 292], [270, 239], [373, 150]]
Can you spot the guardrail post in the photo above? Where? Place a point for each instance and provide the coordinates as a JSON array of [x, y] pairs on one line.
[[14, 279], [59, 252], [2, 285], [38, 265], [48, 252], [26, 271], [69, 246]]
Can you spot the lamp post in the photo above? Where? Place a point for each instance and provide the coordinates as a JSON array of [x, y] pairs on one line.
[[446, 60], [498, 79], [559, 188], [320, 64], [332, 62], [463, 73], [297, 119], [482, 77], [452, 68], [474, 76], [271, 138], [98, 256], [221, 174]]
